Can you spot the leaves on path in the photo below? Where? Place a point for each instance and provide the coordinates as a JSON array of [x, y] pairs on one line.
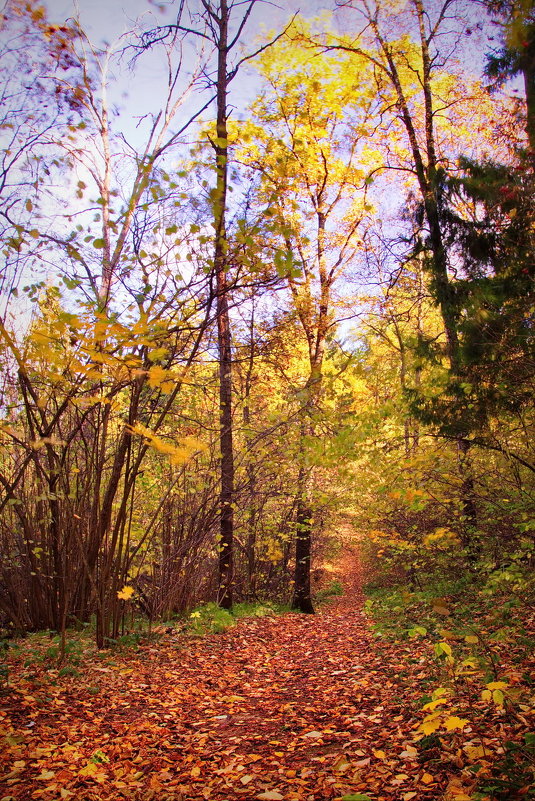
[[292, 708]]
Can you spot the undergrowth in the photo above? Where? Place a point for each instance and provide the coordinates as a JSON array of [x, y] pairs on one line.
[[474, 636], [42, 650], [211, 619], [333, 590]]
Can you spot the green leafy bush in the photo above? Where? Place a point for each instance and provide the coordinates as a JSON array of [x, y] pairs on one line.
[[209, 619]]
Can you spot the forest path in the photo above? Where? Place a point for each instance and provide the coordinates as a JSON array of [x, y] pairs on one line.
[[293, 707]]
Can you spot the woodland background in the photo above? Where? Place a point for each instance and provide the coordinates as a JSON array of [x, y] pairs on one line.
[[226, 330]]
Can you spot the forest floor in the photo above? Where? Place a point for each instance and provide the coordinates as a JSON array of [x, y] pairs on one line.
[[291, 707]]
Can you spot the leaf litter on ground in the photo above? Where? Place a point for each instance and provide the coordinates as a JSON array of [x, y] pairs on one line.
[[287, 708]]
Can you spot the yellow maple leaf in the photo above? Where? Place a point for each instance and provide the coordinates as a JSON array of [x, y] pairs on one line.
[[455, 722], [433, 704], [429, 726], [126, 593]]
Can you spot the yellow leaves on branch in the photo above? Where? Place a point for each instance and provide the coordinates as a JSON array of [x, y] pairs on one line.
[[441, 718], [159, 378], [408, 495], [494, 692], [177, 454], [438, 720], [454, 722], [432, 705], [442, 538]]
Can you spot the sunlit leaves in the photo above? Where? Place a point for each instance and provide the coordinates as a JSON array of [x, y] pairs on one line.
[[158, 377], [442, 537], [443, 648], [126, 593], [454, 722], [495, 692], [178, 454]]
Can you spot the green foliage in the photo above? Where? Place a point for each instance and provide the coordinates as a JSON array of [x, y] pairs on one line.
[[68, 670], [72, 652], [333, 590], [513, 774], [209, 619], [473, 632], [127, 641], [257, 609], [474, 609], [356, 797]]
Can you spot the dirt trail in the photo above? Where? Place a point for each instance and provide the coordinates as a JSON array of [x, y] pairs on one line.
[[299, 708]]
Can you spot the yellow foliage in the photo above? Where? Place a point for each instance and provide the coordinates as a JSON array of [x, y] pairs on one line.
[[474, 752], [177, 454], [497, 685], [442, 537], [455, 722], [432, 705], [156, 354], [430, 725], [159, 378], [126, 593], [498, 697]]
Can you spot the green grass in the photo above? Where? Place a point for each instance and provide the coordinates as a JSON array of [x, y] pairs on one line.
[[333, 590], [211, 619]]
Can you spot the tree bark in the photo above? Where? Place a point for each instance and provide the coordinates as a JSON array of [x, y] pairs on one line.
[[302, 599], [224, 341]]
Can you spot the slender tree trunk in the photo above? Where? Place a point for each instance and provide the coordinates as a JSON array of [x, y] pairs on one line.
[[427, 173], [250, 470], [528, 71], [468, 499], [226, 562], [302, 599]]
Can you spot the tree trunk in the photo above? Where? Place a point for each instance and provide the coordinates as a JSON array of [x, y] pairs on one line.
[[226, 561], [302, 600], [250, 470]]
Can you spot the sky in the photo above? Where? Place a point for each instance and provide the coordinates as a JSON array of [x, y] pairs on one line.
[[106, 20], [136, 95]]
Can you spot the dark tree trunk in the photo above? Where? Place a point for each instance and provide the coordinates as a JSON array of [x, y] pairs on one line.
[[226, 562], [302, 600]]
